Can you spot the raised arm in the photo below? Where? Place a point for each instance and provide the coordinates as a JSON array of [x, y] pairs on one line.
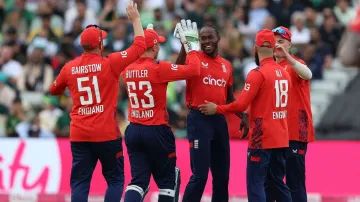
[[181, 57], [171, 72], [120, 60]]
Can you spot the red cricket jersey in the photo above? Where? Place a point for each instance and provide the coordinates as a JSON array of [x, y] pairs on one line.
[[93, 82], [300, 122], [266, 91], [146, 83], [211, 85]]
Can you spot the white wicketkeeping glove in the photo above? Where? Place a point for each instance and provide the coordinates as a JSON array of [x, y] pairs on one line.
[[188, 35]]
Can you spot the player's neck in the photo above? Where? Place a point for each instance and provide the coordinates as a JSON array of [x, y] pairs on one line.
[[94, 52], [148, 55], [213, 55], [263, 57], [278, 60]]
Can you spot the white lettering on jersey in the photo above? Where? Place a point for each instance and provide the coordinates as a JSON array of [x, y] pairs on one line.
[[142, 114], [280, 114], [247, 86], [214, 82], [123, 54], [86, 69], [136, 74], [91, 110], [174, 67]]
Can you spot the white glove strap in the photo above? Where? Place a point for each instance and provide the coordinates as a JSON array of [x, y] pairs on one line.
[[191, 46]]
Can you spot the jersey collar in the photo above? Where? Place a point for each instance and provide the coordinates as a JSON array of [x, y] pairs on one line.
[[266, 60], [149, 59]]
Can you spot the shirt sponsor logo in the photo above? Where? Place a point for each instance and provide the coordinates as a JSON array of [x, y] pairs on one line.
[[214, 82], [204, 65]]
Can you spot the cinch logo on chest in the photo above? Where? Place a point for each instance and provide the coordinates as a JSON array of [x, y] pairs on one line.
[[214, 82]]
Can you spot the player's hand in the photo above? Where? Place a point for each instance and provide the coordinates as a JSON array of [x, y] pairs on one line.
[[209, 108], [132, 11], [188, 34], [244, 124], [280, 52]]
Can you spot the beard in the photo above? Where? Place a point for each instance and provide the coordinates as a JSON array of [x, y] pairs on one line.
[[257, 61]]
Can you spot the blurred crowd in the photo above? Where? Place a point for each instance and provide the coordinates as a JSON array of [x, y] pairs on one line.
[[39, 36]]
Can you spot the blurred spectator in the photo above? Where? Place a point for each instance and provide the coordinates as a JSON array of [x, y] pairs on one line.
[[46, 20], [19, 47], [49, 116], [7, 94], [313, 60], [15, 117], [343, 12], [62, 128], [313, 18], [107, 17], [36, 74], [270, 22], [19, 17], [300, 33], [330, 32], [117, 41], [349, 48], [86, 15], [10, 67]]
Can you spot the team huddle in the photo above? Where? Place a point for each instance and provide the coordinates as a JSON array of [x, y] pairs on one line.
[[274, 108]]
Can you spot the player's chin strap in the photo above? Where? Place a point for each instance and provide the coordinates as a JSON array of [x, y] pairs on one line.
[[175, 192]]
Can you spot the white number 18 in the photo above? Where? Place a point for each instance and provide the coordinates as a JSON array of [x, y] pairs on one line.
[[281, 90]]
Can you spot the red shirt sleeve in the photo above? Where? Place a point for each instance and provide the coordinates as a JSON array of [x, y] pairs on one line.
[[253, 83], [59, 85], [120, 60], [168, 72]]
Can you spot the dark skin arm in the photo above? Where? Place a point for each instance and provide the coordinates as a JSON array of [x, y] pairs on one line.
[[243, 116], [182, 56]]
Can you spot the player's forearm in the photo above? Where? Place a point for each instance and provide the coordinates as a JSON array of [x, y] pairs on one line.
[[138, 29], [236, 107], [54, 90], [182, 56], [231, 98], [193, 65], [302, 70]]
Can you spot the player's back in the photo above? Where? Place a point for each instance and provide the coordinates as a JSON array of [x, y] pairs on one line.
[[146, 92], [268, 110], [93, 88]]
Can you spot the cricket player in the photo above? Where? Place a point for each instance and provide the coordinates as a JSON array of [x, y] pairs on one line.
[[266, 91], [208, 135], [301, 129], [93, 82], [149, 139]]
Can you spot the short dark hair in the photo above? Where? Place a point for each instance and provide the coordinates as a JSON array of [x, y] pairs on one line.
[[87, 47], [213, 27]]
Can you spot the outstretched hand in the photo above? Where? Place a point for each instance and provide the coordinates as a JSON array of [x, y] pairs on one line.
[[209, 108], [132, 11]]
